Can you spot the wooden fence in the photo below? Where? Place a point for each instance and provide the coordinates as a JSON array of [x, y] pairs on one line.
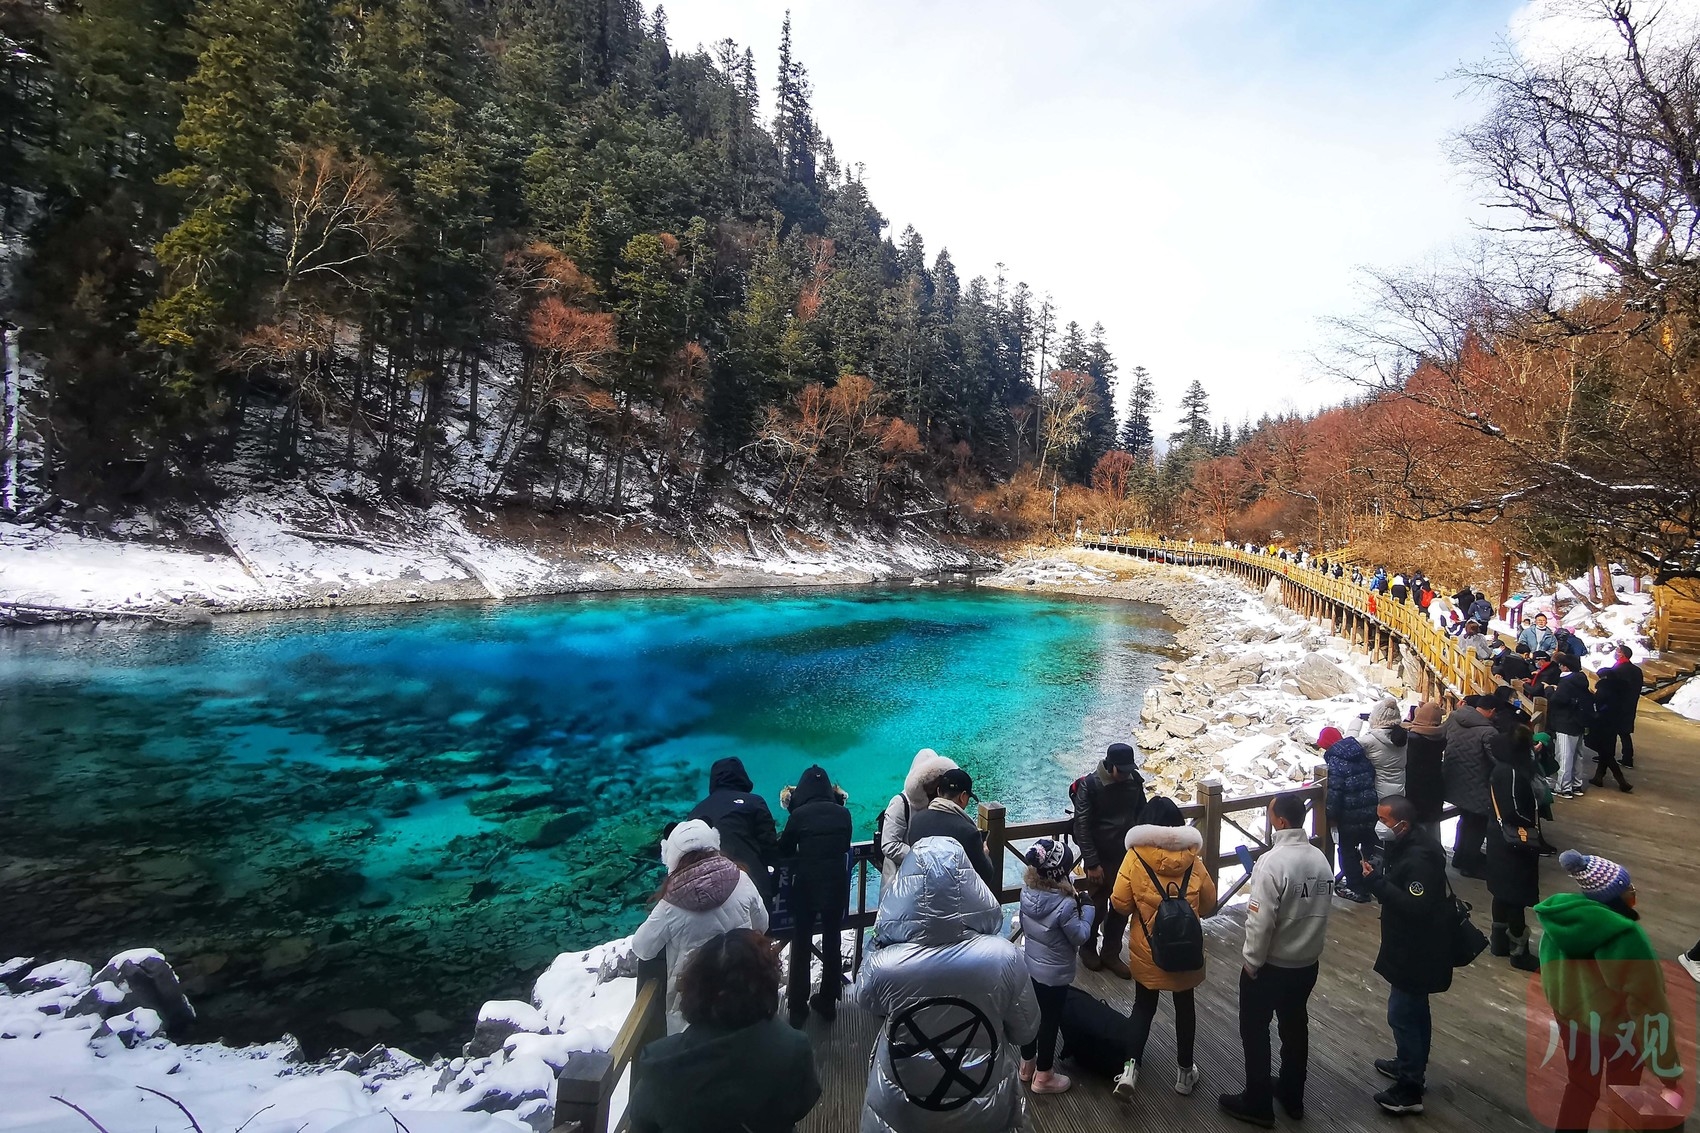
[[584, 1094], [1373, 623]]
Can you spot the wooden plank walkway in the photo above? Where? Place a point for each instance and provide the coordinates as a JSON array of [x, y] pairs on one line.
[[1476, 1078]]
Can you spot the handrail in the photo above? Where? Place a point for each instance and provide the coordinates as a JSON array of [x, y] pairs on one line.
[[583, 1099], [1373, 621]]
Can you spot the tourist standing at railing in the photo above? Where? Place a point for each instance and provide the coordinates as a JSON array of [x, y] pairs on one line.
[[1514, 667], [1537, 636], [1570, 711], [1440, 611], [947, 817], [817, 842], [1286, 926], [1107, 804], [1054, 922], [1399, 590], [1471, 740], [939, 968], [705, 894], [747, 832], [1425, 749], [735, 1060], [1514, 850], [920, 787], [1480, 611], [1415, 958], [1383, 737], [1163, 860], [1474, 642], [1351, 808]]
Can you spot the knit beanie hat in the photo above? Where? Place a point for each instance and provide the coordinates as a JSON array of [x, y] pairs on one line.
[[1385, 714], [686, 837], [1329, 737], [1053, 858], [1600, 878]]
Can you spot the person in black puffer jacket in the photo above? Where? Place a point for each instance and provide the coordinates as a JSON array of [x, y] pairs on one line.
[[817, 840], [1107, 802], [1570, 713], [1415, 957], [1471, 740], [1514, 868], [747, 832]]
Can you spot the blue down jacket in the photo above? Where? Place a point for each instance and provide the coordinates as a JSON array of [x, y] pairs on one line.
[[937, 936], [1351, 786]]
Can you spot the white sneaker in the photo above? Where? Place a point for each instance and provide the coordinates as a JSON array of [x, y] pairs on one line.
[[1692, 967], [1186, 1079], [1127, 1079]]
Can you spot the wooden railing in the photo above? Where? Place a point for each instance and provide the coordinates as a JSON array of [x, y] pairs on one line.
[[584, 1093], [1209, 813], [1372, 622]]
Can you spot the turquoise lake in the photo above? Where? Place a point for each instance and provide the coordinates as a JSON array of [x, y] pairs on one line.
[[411, 810]]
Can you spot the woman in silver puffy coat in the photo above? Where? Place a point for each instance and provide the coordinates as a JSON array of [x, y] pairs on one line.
[[939, 966]]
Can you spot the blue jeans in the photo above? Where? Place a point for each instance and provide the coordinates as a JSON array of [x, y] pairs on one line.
[[1412, 1025]]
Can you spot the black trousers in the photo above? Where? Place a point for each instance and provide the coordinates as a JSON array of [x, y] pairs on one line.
[[1469, 845], [822, 914], [1605, 744], [1044, 1047], [1513, 917], [1145, 1010], [1281, 995]]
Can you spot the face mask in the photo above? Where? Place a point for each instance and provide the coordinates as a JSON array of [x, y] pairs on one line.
[[1385, 832]]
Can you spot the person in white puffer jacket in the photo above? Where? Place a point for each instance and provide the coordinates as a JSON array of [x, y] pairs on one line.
[[919, 790], [1383, 739], [705, 895]]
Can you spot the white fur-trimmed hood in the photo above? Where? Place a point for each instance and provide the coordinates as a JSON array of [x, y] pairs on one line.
[[927, 764], [1177, 838]]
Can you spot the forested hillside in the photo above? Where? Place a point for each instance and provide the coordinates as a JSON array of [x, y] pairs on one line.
[[512, 250]]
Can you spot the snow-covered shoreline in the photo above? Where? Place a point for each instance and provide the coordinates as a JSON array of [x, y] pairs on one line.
[[294, 551]]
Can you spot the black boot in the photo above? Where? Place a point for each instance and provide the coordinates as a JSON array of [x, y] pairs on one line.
[[1499, 941], [1522, 953], [1238, 1106]]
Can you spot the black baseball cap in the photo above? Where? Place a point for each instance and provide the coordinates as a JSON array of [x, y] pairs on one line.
[[1121, 755], [954, 782]]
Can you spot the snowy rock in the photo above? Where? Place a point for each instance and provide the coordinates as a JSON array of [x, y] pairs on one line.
[[1319, 678], [1181, 727], [498, 1019], [72, 975], [1272, 592], [13, 971], [132, 1027], [146, 980]]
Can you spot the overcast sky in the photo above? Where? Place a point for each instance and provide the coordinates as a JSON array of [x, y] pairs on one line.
[[1206, 178]]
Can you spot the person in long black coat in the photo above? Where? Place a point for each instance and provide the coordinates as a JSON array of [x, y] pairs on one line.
[[1425, 749], [1617, 694], [817, 840], [1513, 869], [747, 832], [1414, 959]]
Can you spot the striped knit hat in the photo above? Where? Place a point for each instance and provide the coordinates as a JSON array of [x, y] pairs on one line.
[[1600, 878]]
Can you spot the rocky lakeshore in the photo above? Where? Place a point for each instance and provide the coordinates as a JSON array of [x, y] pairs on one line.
[[1252, 682]]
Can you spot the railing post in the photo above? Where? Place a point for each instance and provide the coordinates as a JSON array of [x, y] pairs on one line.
[[1319, 811], [993, 819], [1210, 825]]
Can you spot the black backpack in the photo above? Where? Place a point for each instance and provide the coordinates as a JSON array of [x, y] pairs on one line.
[[1175, 933]]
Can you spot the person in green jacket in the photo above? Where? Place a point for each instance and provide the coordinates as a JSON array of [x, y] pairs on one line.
[[736, 1068], [1601, 977]]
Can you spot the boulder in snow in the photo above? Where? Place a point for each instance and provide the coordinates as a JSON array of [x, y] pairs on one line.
[[498, 1019], [1319, 678], [146, 980]]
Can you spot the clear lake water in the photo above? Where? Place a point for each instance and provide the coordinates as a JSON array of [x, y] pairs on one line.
[[357, 825]]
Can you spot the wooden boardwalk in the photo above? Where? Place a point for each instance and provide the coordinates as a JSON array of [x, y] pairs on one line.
[[1475, 1078]]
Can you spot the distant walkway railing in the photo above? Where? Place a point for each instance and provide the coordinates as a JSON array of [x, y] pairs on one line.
[[1373, 623]]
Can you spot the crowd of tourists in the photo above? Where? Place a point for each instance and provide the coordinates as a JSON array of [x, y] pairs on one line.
[[976, 1018]]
